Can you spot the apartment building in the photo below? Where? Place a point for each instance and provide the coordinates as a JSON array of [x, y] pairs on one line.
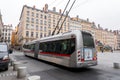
[[6, 34], [75, 24], [1, 25], [36, 23], [117, 37], [103, 35]]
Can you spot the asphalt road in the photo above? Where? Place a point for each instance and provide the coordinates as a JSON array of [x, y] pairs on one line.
[[47, 71]]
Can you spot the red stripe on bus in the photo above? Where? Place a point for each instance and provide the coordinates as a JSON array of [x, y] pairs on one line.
[[56, 54]]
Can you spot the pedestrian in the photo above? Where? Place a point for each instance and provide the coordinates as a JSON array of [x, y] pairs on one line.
[[102, 49], [112, 50]]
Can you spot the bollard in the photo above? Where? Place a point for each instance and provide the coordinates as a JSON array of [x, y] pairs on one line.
[[16, 65], [21, 72], [116, 65], [35, 77]]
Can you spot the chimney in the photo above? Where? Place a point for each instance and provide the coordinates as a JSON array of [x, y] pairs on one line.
[[77, 17], [54, 9], [46, 7], [110, 30], [34, 7], [87, 19], [43, 9], [98, 25], [106, 29], [60, 11], [93, 23]]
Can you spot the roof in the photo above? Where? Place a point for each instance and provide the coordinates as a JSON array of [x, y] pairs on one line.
[[38, 10]]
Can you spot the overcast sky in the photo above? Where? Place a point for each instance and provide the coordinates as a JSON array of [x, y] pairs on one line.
[[103, 12]]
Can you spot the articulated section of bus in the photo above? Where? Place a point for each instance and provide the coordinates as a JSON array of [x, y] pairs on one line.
[[87, 54]]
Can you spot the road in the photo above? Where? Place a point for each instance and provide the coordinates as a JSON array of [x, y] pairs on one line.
[[103, 71]]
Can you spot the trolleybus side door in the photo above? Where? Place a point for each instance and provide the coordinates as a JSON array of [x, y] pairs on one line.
[[36, 51]]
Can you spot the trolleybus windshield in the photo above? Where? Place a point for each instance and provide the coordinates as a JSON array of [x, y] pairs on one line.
[[88, 40]]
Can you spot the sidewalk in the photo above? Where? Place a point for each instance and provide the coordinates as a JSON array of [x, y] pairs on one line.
[[10, 74]]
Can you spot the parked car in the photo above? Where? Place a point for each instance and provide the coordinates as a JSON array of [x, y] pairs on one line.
[[4, 56]]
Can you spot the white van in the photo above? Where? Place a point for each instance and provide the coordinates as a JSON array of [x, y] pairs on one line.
[[4, 56]]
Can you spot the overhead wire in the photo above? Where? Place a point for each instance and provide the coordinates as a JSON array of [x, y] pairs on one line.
[[66, 17], [80, 4], [60, 18], [56, 3], [52, 2]]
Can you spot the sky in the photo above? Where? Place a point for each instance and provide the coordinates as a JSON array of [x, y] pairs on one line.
[[103, 12]]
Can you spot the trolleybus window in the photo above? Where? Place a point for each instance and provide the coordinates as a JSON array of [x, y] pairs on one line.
[[88, 40], [29, 46], [61, 46]]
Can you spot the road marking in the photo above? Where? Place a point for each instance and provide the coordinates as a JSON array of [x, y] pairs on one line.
[[8, 74]]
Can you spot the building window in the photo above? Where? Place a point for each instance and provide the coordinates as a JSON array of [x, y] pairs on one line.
[[53, 16], [49, 21], [40, 35], [41, 22], [37, 28], [40, 28], [44, 28], [45, 35], [32, 20], [49, 33], [53, 21], [28, 12], [53, 25], [27, 33], [9, 34], [45, 17], [37, 15], [45, 22], [32, 34], [27, 26], [36, 34], [36, 21], [32, 14], [48, 25], [41, 16], [27, 20], [32, 26], [5, 38], [8, 38]]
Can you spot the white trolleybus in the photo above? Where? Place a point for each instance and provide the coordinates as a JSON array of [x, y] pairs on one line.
[[72, 49]]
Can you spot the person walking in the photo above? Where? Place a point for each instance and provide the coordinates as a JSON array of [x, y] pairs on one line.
[[102, 49]]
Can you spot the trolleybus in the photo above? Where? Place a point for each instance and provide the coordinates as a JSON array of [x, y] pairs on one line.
[[71, 49]]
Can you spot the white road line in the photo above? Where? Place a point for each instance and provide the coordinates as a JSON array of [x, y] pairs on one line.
[[7, 74]]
